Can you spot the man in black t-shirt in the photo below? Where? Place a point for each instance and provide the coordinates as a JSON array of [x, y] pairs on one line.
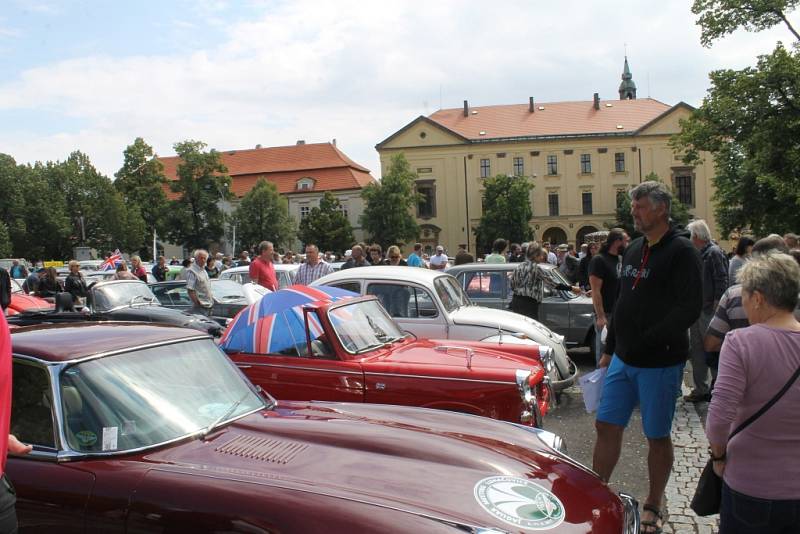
[[604, 281]]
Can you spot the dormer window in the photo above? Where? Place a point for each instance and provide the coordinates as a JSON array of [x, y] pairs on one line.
[[305, 184]]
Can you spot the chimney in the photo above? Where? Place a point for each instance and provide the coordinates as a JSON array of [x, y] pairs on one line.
[[597, 101], [530, 104], [334, 142], [466, 108], [258, 145], [301, 142]]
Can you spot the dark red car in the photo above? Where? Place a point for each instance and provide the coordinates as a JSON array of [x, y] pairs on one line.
[[22, 302], [147, 428]]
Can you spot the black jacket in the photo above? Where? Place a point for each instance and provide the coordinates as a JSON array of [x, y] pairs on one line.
[[659, 299], [76, 285], [5, 289]]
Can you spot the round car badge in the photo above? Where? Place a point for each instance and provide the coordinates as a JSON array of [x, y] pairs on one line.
[[520, 502]]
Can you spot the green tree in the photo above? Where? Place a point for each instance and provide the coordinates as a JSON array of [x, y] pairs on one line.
[[195, 219], [327, 226], [12, 201], [141, 181], [750, 123], [718, 18], [506, 211], [679, 213], [263, 216], [5, 241], [389, 203]]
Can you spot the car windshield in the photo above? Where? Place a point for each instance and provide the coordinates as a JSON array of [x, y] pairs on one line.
[[362, 326], [450, 293], [110, 296], [151, 396], [15, 287], [224, 290]]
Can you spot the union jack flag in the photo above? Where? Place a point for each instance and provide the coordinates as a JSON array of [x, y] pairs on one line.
[[111, 262]]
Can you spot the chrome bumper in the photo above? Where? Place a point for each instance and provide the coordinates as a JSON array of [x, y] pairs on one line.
[[561, 385], [631, 523]]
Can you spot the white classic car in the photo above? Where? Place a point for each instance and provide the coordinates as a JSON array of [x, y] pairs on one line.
[[432, 304]]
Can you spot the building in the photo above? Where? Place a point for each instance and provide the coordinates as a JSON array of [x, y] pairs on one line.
[[580, 156], [301, 172]]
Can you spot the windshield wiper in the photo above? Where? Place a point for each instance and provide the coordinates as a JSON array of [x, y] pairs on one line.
[[225, 415], [147, 299]]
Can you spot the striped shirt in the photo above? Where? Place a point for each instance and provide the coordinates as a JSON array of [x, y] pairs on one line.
[[308, 273], [528, 281], [729, 314]]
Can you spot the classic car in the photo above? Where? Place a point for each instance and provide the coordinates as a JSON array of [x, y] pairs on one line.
[[563, 312], [229, 297], [149, 428], [306, 343], [117, 300], [283, 271], [21, 301], [432, 304]]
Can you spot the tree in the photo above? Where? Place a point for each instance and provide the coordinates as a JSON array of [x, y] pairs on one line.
[[263, 216], [5, 241], [141, 181], [195, 219], [679, 213], [327, 226], [12, 201], [750, 123], [507, 211], [389, 203], [719, 18]]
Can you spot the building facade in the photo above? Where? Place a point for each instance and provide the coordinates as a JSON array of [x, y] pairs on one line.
[[302, 173], [580, 156]]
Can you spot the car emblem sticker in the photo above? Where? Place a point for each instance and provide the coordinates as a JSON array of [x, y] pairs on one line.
[[520, 502], [86, 438]]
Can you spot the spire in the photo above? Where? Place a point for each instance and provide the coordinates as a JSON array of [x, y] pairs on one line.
[[627, 89]]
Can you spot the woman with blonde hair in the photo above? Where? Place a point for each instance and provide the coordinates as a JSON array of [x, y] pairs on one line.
[[138, 269], [753, 424]]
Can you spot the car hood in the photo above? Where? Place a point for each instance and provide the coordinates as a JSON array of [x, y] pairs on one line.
[[507, 320], [25, 302], [426, 462], [451, 354]]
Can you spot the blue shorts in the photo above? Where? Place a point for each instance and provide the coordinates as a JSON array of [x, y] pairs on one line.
[[654, 389]]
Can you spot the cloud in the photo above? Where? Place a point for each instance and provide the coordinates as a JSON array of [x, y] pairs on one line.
[[359, 71]]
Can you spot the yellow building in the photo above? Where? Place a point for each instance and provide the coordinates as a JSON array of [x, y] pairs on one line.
[[578, 155]]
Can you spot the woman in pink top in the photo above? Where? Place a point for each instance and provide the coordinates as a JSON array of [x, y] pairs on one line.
[[760, 466]]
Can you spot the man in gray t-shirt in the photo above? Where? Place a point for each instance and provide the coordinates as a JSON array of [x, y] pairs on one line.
[[199, 285]]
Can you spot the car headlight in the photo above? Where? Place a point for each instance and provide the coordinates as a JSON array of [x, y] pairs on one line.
[[546, 355]]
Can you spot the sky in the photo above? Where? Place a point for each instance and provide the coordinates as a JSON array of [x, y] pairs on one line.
[[94, 75]]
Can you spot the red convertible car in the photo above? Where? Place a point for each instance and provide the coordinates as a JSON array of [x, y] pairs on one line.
[[148, 428], [22, 302], [335, 347]]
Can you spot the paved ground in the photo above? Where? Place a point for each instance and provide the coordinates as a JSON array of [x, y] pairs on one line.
[[572, 422]]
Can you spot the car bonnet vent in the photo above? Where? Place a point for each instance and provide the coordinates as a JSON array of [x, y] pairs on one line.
[[265, 450]]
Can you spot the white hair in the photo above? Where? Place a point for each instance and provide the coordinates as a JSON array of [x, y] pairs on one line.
[[700, 230], [199, 252]]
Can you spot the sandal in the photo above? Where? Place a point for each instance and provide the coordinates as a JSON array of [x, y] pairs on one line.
[[655, 525]]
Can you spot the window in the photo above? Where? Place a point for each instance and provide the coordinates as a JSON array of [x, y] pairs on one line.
[[404, 301], [586, 163], [684, 190], [481, 285], [485, 168], [305, 184], [519, 167], [619, 162], [426, 205], [586, 200], [31, 417], [552, 202], [552, 165], [343, 208], [304, 211], [355, 287]]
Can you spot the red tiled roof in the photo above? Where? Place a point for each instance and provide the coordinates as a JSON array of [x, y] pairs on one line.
[[556, 119], [330, 168]]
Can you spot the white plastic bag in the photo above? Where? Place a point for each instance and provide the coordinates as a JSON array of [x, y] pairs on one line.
[[592, 388]]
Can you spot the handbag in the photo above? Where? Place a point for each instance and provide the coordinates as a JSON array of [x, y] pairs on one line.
[[708, 494]]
